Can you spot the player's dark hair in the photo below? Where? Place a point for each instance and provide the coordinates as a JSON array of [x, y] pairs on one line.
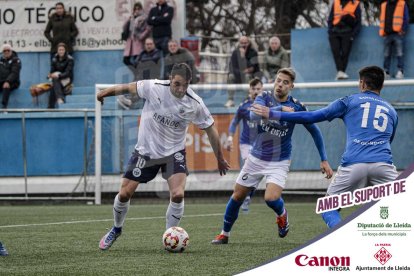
[[255, 82], [183, 70], [373, 76], [288, 71]]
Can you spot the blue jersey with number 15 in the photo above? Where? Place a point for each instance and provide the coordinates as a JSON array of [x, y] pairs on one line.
[[370, 123]]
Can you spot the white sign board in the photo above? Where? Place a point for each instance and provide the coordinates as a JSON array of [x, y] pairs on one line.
[[22, 22]]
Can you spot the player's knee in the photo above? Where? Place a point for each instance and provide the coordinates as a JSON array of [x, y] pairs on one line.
[[271, 197], [124, 195], [177, 196]]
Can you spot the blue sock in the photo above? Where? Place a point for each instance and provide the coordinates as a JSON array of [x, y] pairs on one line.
[[331, 218], [117, 229], [231, 214], [252, 192], [277, 205]]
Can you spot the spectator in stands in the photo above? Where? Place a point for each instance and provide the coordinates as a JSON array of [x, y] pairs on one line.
[[344, 23], [10, 66], [177, 54], [63, 28], [276, 57], [160, 18], [148, 63], [148, 66], [61, 75], [394, 21], [135, 31], [244, 66]]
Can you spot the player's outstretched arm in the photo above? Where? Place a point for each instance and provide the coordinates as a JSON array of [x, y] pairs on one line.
[[320, 145], [214, 139], [116, 90], [301, 117]]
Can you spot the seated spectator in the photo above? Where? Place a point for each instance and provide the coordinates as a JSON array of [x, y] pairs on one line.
[[244, 66], [61, 75], [10, 66], [147, 66], [177, 54], [276, 57], [148, 63], [135, 31], [394, 22]]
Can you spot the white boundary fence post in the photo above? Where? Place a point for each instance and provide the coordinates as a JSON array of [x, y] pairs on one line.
[[98, 148]]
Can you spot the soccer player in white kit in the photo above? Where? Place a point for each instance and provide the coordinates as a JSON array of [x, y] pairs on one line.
[[169, 108], [370, 122]]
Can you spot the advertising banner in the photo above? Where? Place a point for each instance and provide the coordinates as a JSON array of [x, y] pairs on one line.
[[23, 22]]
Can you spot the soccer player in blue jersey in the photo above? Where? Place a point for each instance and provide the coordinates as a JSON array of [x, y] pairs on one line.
[[370, 123], [249, 129], [270, 156]]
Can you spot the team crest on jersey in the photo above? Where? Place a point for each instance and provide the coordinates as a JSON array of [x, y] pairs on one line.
[[179, 156], [181, 111], [136, 172]]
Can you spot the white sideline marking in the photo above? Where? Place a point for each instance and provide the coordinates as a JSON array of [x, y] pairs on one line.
[[99, 220]]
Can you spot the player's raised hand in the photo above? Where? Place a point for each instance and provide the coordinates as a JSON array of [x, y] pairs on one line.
[[326, 169], [228, 145], [223, 166], [100, 96]]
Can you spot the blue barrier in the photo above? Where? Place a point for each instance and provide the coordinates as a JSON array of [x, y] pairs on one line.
[[55, 142]]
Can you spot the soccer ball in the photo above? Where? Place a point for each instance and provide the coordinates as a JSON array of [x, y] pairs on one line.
[[175, 239]]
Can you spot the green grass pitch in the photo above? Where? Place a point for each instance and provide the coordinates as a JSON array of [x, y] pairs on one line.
[[63, 240]]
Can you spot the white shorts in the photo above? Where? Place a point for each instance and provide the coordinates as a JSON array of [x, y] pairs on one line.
[[244, 151], [360, 175], [255, 169]]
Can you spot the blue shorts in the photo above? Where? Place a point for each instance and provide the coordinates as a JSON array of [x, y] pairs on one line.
[[143, 169]]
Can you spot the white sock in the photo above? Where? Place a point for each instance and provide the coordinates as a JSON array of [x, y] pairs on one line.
[[120, 210], [174, 213], [227, 234]]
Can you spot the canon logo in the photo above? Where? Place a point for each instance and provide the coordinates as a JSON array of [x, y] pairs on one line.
[[304, 260]]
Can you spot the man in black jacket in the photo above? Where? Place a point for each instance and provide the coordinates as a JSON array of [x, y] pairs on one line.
[[10, 66], [160, 18], [63, 28]]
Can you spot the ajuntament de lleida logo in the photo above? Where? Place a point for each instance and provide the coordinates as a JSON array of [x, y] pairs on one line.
[[384, 212]]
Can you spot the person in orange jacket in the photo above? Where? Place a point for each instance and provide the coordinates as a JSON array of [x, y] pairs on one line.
[[394, 19]]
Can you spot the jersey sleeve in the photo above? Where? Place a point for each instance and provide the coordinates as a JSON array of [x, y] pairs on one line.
[[336, 109], [203, 118], [143, 88], [235, 121]]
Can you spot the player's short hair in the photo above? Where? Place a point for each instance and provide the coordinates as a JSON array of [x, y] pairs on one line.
[[288, 71], [183, 70], [373, 76], [255, 82]]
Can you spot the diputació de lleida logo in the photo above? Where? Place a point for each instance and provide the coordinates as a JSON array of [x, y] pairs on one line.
[[384, 212]]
